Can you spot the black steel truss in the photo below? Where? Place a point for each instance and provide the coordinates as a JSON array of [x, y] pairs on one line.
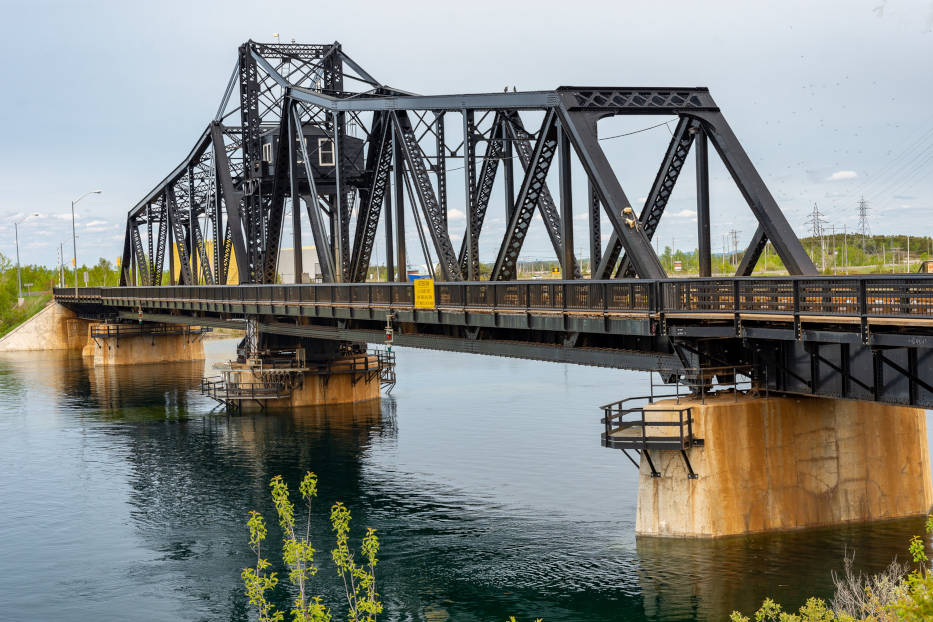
[[241, 194]]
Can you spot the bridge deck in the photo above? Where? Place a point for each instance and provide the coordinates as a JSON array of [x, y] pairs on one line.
[[863, 337]]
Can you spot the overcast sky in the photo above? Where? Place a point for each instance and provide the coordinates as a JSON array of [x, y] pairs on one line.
[[831, 100]]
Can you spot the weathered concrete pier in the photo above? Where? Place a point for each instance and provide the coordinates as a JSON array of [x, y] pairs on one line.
[[782, 463], [106, 343]]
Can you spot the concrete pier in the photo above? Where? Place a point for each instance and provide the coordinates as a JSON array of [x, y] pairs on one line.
[[140, 344], [782, 463], [53, 328], [342, 380]]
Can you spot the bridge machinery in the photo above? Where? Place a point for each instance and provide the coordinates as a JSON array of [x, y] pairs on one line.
[[805, 380]]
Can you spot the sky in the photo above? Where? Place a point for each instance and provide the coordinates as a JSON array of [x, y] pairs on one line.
[[831, 100]]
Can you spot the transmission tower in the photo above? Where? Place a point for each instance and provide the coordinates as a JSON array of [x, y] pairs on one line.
[[817, 223], [863, 221], [734, 246]]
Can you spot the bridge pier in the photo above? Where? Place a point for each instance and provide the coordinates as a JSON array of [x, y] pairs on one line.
[[783, 463], [291, 372], [138, 344]]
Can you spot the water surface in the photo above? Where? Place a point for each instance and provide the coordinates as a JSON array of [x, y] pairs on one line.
[[125, 494]]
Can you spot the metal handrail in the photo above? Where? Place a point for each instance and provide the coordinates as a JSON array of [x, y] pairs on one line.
[[844, 296]]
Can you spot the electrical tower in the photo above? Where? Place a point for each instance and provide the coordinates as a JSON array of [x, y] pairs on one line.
[[817, 223], [863, 221], [734, 245]]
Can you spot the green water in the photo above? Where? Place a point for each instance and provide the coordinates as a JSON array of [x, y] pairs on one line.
[[125, 494]]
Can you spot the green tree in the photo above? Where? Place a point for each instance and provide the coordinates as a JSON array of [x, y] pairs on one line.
[[298, 555]]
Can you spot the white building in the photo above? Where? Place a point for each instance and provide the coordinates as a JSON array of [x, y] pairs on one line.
[[311, 269]]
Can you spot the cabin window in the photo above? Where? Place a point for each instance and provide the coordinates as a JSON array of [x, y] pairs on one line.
[[267, 152], [325, 152]]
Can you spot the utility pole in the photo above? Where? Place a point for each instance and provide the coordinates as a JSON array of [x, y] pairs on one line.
[[845, 249], [863, 221], [734, 246], [834, 248], [907, 266]]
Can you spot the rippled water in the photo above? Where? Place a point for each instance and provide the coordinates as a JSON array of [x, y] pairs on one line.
[[125, 493]]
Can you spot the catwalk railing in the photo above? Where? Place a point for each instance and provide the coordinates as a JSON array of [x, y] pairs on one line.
[[848, 296]]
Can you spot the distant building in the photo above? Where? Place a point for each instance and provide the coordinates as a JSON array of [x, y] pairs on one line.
[[926, 266], [311, 269]]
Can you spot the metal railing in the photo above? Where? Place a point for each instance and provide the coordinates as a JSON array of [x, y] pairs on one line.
[[229, 391], [144, 330], [855, 296]]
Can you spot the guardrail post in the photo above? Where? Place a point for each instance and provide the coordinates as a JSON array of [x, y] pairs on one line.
[[863, 309], [736, 306], [796, 295]]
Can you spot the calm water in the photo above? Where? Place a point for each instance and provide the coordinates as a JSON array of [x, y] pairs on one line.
[[124, 494]]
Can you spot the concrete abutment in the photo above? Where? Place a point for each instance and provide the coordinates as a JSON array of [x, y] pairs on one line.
[[783, 463]]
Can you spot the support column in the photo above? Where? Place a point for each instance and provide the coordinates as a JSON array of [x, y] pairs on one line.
[[296, 200], [703, 239], [390, 251], [566, 204], [141, 344], [782, 463], [400, 209]]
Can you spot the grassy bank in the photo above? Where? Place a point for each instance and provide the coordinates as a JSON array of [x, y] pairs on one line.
[[38, 281]]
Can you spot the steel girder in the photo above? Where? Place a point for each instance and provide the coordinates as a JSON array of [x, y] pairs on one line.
[[549, 215], [756, 193], [658, 197], [506, 266], [411, 150], [224, 177], [480, 198], [142, 262], [581, 131], [181, 239], [371, 202]]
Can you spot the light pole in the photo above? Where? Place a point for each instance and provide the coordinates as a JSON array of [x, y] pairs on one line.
[[74, 236], [19, 278]]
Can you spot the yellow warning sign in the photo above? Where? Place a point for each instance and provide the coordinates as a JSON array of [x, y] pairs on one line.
[[424, 293]]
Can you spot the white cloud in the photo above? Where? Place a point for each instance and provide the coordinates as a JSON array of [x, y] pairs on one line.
[[685, 213], [842, 176], [455, 214], [95, 223]]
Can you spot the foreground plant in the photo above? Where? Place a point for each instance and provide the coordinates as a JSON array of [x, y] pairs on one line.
[[895, 595], [298, 555]]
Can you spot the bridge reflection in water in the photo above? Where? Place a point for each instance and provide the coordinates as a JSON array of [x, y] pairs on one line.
[[481, 515]]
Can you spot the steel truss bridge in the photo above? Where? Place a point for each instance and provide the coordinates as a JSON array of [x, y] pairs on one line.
[[304, 127]]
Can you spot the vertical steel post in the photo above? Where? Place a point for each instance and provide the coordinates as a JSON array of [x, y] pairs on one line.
[[390, 251], [441, 166], [566, 204], [297, 260], [469, 180], [168, 221], [703, 239], [596, 243], [509, 172], [192, 219], [341, 229], [400, 208]]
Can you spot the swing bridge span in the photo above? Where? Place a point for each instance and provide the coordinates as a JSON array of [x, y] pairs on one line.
[[304, 132]]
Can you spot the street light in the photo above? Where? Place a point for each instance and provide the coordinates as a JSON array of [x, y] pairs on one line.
[[74, 236], [19, 278]]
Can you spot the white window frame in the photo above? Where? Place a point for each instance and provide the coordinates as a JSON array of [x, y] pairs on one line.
[[267, 152], [321, 144]]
